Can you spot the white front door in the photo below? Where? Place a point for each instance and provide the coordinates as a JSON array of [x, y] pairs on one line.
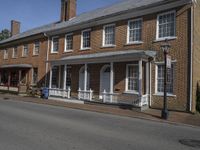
[[105, 80]]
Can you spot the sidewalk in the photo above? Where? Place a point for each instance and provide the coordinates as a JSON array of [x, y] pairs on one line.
[[150, 114]]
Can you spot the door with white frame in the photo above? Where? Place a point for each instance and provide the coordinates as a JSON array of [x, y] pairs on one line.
[[104, 80], [82, 78]]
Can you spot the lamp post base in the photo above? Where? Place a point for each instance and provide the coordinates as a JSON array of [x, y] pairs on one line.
[[165, 114]]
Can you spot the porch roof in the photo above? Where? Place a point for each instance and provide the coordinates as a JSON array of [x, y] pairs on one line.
[[16, 66], [104, 57]]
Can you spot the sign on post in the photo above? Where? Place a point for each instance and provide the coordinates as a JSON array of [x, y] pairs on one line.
[[169, 62]]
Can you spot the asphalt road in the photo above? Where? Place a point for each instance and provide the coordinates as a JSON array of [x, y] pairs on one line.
[[28, 126]]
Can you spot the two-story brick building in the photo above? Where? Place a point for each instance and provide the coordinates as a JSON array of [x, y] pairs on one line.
[[110, 55]]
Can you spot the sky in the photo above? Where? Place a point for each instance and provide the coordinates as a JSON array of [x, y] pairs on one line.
[[34, 13]]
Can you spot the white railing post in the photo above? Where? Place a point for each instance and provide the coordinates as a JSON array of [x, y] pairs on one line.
[[68, 93], [90, 95], [79, 93]]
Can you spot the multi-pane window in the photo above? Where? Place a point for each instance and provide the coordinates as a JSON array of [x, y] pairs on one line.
[[35, 76], [160, 79], [25, 51], [55, 44], [166, 25], [109, 35], [5, 55], [86, 37], [36, 48], [15, 51], [135, 31], [69, 42], [132, 78]]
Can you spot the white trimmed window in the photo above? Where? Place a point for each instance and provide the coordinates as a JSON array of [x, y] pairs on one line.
[[109, 35], [166, 25], [36, 48], [68, 42], [25, 51], [132, 78], [55, 44], [5, 54], [35, 76], [160, 79], [134, 31], [85, 39], [15, 52]]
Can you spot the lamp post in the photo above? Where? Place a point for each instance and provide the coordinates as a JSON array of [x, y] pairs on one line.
[[165, 47]]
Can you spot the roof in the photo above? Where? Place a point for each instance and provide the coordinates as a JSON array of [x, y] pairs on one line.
[[123, 55], [16, 66], [117, 8]]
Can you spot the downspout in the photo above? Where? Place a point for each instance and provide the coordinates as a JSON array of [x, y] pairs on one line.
[[191, 55], [47, 59]]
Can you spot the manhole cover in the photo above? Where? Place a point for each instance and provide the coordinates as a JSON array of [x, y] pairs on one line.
[[190, 142]]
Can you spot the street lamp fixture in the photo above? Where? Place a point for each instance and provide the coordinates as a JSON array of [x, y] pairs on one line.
[[165, 47]]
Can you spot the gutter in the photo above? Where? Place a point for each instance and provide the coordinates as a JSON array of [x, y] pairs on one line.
[[191, 55], [47, 59]]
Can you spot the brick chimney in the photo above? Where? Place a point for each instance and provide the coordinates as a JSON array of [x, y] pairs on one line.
[[68, 9], [15, 27]]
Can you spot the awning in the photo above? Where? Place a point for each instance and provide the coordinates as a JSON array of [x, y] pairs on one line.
[[16, 66], [104, 57]]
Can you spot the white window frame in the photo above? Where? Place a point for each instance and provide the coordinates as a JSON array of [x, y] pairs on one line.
[[68, 50], [23, 55], [157, 26], [34, 48], [33, 76], [128, 32], [103, 39], [5, 54], [13, 53], [156, 79], [126, 82], [85, 48], [52, 45]]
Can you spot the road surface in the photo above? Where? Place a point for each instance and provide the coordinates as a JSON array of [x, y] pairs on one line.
[[28, 126]]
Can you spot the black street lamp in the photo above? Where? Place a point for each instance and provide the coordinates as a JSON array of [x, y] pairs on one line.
[[165, 47]]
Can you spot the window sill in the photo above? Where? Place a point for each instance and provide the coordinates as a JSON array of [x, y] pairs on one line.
[[162, 94], [68, 51], [54, 52], [85, 49], [131, 92], [24, 56], [35, 55], [108, 46], [14, 57], [134, 43], [167, 38]]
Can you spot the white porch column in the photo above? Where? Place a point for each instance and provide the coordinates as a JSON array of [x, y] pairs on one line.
[[20, 76], [85, 77], [140, 78], [50, 77], [111, 77], [64, 77], [111, 80], [59, 76], [147, 78], [150, 82]]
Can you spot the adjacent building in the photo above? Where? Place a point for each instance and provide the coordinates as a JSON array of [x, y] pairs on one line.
[[109, 55]]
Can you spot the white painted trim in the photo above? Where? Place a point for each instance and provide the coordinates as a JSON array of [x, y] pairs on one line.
[[157, 26], [140, 77], [111, 77], [64, 77], [5, 54], [156, 75], [23, 50], [65, 48], [85, 48], [150, 84], [126, 81], [103, 36], [52, 47], [13, 49], [34, 48], [50, 77], [128, 33]]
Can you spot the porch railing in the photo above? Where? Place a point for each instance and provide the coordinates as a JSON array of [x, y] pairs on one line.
[[141, 101], [109, 97], [85, 95], [60, 92]]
